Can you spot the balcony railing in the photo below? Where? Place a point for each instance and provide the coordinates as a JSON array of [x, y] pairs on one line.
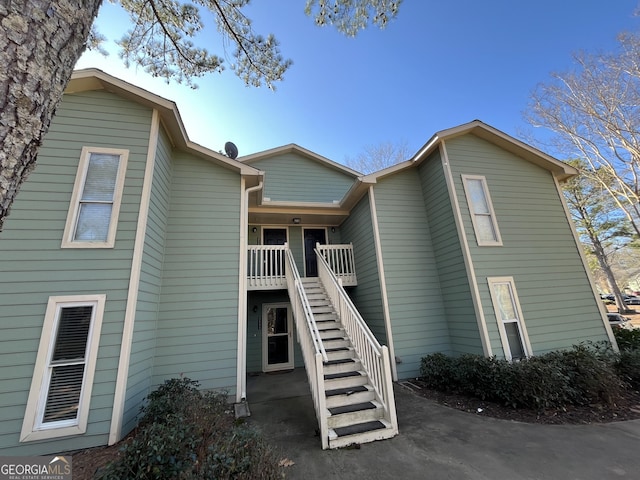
[[266, 265], [341, 262]]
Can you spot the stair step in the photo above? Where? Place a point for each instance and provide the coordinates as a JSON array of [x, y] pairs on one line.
[[330, 333], [346, 390], [359, 428], [361, 432], [345, 415], [319, 302], [342, 365], [328, 325], [354, 407], [339, 361], [330, 343], [332, 376], [340, 354], [352, 394], [336, 349]]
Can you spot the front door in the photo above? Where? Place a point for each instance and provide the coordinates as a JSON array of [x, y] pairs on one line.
[[311, 237], [277, 338]]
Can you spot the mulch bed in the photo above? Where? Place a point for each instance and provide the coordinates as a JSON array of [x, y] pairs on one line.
[[628, 408]]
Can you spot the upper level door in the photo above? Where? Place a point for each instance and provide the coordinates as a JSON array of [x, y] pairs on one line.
[[311, 237]]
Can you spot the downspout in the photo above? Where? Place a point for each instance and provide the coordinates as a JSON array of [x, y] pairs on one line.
[[241, 379]]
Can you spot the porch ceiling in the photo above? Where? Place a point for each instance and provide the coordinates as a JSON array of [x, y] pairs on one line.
[[273, 216]]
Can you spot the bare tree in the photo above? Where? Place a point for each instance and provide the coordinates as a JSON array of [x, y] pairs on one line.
[[377, 157], [594, 112], [41, 41], [601, 226]]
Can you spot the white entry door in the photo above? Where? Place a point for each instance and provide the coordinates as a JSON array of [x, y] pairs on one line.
[[277, 337]]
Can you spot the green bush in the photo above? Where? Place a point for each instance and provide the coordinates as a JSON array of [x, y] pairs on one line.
[[583, 375], [186, 434], [627, 339], [628, 361]]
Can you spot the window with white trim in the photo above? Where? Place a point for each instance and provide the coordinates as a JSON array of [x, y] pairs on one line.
[[58, 403], [483, 216], [513, 332], [95, 204]]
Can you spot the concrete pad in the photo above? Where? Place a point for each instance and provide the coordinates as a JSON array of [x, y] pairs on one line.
[[437, 442]]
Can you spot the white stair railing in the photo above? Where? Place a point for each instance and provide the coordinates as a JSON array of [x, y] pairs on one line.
[[341, 262], [310, 343], [373, 356]]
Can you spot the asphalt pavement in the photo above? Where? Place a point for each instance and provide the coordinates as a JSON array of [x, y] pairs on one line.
[[437, 443]]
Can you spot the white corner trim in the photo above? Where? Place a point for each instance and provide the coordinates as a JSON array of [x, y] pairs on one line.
[[585, 266], [115, 431], [383, 283], [466, 253], [241, 356]]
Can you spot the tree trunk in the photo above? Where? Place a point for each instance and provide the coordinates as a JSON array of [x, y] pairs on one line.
[[40, 42], [598, 251]]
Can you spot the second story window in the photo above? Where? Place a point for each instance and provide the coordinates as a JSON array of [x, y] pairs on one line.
[[483, 217], [95, 203]]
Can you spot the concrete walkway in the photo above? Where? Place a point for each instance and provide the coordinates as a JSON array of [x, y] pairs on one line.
[[436, 442]]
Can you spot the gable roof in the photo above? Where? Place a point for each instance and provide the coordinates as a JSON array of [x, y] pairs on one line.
[[560, 170], [296, 149], [94, 79]]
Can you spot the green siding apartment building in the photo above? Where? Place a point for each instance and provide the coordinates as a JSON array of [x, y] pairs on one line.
[[133, 255]]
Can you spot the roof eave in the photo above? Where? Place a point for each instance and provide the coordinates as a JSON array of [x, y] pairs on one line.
[[95, 79]]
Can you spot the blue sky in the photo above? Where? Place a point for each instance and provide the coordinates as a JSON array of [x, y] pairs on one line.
[[438, 65]]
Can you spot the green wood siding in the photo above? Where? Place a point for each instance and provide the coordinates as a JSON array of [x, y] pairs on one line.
[[33, 267], [460, 315], [538, 249], [296, 245], [144, 334], [198, 317], [358, 229], [413, 288], [296, 178]]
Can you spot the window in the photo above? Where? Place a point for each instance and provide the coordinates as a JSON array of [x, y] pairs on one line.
[[513, 333], [95, 203], [58, 403], [482, 215]]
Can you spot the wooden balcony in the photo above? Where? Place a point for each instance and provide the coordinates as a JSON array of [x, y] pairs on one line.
[[266, 265]]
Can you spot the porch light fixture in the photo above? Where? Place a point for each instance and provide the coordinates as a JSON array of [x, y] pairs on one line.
[[296, 220], [333, 229], [254, 229]]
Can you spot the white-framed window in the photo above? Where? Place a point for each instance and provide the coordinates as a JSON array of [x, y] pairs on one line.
[[95, 204], [513, 331], [60, 393], [483, 216]]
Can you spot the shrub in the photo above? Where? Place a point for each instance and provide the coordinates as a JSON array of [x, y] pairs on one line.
[[582, 375], [186, 434], [627, 339]]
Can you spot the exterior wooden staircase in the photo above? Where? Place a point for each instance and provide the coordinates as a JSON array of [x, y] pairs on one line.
[[353, 409]]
